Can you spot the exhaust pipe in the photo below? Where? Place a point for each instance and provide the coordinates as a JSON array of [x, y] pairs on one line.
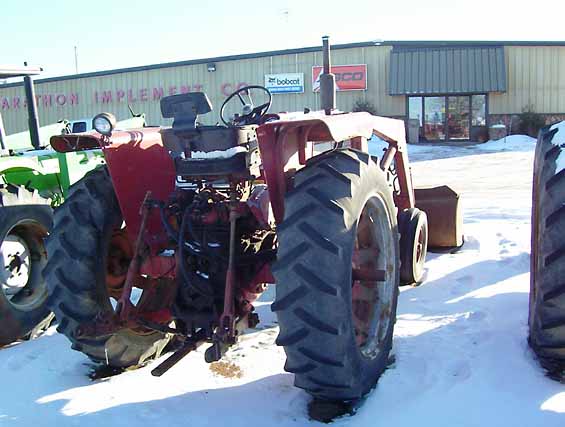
[[2, 134], [33, 121], [327, 80]]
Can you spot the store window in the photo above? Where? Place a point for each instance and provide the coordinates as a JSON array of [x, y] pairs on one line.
[[448, 117], [479, 110], [458, 117], [434, 118], [415, 108]]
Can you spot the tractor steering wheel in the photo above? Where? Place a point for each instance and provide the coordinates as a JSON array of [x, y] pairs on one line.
[[251, 114]]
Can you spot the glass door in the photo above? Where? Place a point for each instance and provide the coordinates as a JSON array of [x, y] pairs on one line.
[[458, 117], [434, 118]]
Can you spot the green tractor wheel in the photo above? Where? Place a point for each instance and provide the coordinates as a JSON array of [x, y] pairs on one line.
[[25, 219]]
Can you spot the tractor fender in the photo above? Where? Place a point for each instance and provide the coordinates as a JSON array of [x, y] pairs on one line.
[[138, 163], [20, 164]]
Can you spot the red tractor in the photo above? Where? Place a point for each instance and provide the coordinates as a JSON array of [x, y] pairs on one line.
[[199, 219]]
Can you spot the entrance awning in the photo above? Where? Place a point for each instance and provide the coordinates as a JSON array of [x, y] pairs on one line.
[[427, 71]]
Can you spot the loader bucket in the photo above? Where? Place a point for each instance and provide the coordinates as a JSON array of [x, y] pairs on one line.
[[445, 220]]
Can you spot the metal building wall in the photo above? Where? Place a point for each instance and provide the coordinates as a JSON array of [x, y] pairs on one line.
[[535, 76], [232, 73]]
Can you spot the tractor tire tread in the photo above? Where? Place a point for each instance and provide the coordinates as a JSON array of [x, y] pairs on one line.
[[554, 180], [555, 216], [292, 337], [319, 358], [313, 280], [547, 291], [306, 183], [289, 299], [556, 292], [309, 303], [317, 239], [299, 369], [325, 202], [314, 322], [76, 287]]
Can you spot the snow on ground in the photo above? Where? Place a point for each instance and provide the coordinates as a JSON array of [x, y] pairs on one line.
[[460, 339]]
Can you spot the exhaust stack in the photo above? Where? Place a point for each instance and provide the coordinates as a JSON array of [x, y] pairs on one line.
[[327, 80], [33, 121]]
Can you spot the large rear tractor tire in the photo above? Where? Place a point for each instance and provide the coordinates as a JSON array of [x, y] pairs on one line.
[[80, 279], [25, 219], [547, 278], [337, 275]]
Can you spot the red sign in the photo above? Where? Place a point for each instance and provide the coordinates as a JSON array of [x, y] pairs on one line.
[[347, 77]]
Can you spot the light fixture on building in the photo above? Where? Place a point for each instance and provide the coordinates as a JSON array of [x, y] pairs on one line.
[[211, 67]]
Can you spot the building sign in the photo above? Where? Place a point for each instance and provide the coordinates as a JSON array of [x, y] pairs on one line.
[[47, 100], [347, 77], [285, 82], [141, 95], [110, 96]]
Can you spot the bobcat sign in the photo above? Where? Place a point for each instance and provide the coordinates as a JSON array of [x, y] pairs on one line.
[[285, 82], [347, 77]]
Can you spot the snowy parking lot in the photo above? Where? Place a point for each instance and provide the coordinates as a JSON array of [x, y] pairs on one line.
[[461, 356]]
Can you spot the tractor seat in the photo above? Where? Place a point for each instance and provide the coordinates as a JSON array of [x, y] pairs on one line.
[[208, 138], [212, 152], [207, 152]]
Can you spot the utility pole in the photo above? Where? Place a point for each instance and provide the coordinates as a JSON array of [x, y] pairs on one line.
[[76, 60]]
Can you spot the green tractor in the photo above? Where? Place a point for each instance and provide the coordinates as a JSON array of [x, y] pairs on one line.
[[33, 180]]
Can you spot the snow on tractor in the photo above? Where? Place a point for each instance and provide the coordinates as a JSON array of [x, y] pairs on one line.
[[192, 222]]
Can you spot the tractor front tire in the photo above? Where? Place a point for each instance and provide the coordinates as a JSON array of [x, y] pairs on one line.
[[547, 277], [413, 229], [76, 272], [25, 219], [336, 317]]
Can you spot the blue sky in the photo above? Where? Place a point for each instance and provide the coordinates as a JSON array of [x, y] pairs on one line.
[[113, 34]]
